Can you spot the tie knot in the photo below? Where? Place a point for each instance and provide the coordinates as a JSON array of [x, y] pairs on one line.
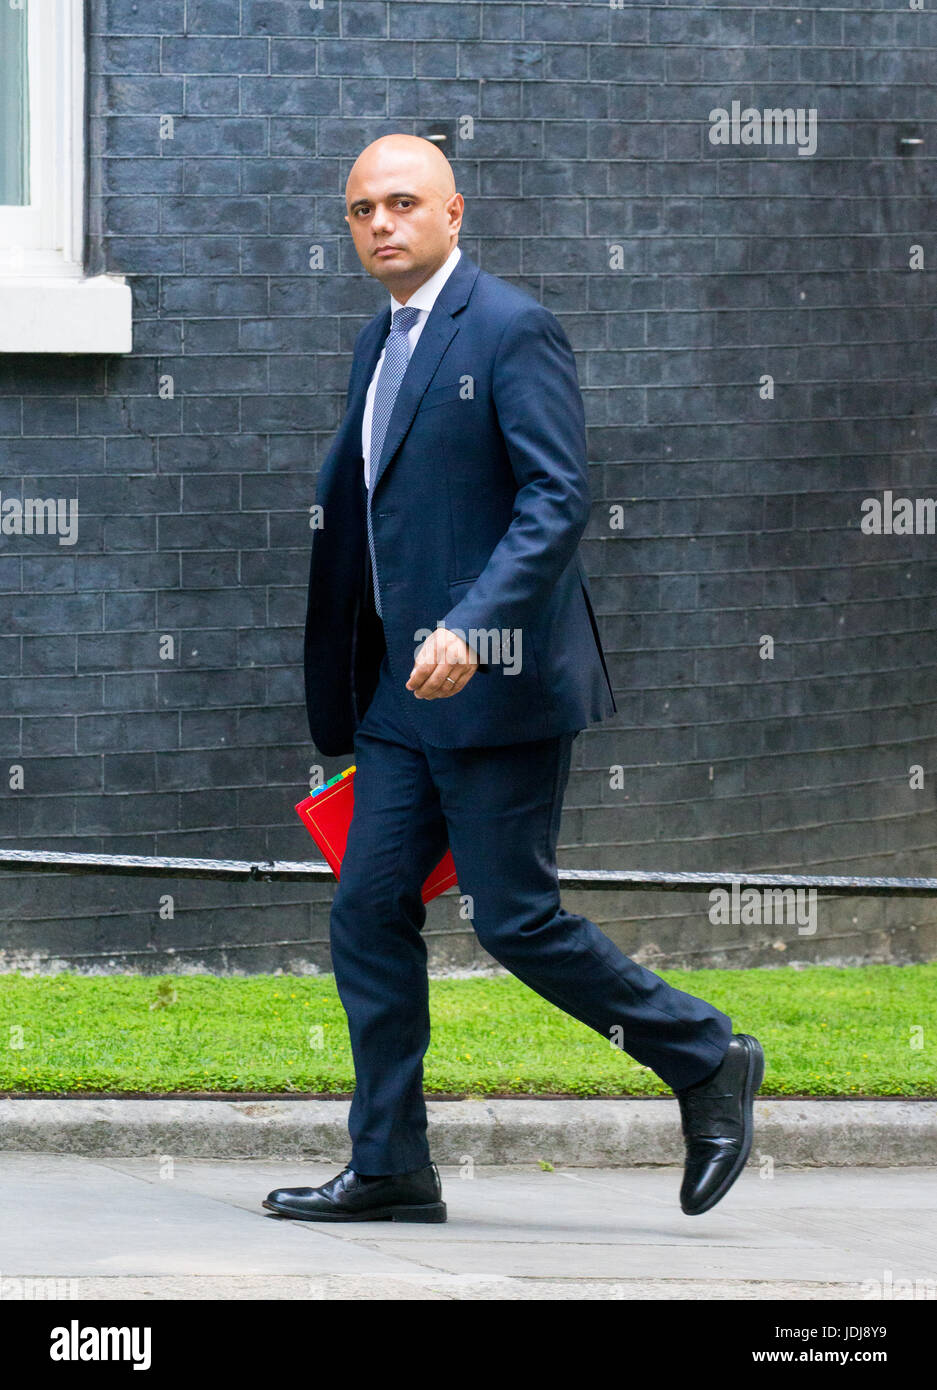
[[404, 319]]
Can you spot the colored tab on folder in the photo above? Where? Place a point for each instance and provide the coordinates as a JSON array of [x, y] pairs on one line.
[[326, 814]]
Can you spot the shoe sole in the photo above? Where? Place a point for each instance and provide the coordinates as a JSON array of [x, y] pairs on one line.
[[756, 1074], [427, 1213]]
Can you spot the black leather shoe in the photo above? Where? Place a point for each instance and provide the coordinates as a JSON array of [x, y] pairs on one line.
[[718, 1124], [398, 1197]]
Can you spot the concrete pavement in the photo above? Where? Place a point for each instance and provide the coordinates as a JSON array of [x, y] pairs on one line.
[[168, 1228]]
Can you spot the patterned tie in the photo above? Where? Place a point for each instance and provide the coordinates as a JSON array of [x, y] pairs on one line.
[[396, 357]]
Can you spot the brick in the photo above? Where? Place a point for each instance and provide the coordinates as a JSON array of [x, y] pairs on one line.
[[213, 16], [127, 17]]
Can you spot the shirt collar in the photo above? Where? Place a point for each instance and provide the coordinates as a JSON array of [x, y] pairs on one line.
[[425, 297]]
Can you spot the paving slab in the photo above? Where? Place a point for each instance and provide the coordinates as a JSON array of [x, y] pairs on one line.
[[131, 1228]]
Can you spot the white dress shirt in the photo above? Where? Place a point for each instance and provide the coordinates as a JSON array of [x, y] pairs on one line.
[[423, 299]]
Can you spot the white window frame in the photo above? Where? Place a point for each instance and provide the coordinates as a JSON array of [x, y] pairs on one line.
[[47, 304]]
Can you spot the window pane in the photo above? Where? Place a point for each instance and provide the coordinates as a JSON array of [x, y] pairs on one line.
[[14, 104]]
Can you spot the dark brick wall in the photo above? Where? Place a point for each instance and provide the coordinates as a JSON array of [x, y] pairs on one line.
[[740, 514]]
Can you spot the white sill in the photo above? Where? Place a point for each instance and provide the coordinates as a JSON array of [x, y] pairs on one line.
[[65, 314]]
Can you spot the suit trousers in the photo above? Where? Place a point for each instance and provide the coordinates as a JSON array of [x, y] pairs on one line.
[[498, 809]]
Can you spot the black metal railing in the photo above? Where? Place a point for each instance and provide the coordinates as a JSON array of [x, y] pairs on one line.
[[317, 871]]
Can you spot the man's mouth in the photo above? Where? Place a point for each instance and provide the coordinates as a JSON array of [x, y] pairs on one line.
[[387, 250]]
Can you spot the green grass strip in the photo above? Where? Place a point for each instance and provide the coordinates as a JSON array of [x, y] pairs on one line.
[[862, 1031]]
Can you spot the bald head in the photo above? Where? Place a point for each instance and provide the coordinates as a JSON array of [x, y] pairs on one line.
[[403, 211], [421, 159]]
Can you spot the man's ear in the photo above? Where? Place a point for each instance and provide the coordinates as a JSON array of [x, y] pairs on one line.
[[460, 211]]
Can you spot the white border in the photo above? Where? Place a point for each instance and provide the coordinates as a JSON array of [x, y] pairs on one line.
[[46, 302]]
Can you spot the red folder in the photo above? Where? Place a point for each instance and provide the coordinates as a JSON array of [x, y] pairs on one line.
[[326, 814]]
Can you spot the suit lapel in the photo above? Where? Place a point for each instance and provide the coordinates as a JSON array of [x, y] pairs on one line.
[[362, 371], [438, 332]]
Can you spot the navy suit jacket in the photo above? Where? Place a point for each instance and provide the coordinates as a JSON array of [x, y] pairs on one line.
[[479, 500]]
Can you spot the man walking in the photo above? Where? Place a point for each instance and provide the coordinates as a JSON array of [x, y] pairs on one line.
[[452, 646]]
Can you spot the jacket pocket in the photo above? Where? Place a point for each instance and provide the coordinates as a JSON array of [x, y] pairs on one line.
[[457, 588], [443, 395]]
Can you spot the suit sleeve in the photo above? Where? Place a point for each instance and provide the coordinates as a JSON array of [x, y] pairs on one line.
[[540, 414]]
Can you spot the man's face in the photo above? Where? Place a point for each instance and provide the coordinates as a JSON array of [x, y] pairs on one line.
[[403, 224]]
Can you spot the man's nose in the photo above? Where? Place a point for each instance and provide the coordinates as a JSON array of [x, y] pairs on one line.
[[381, 218]]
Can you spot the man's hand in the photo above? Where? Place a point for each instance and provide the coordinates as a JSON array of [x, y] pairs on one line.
[[442, 655]]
